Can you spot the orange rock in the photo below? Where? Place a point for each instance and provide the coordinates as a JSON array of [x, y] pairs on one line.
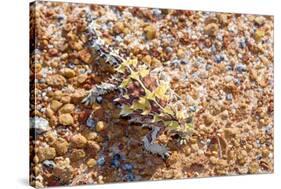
[[85, 56], [78, 141]]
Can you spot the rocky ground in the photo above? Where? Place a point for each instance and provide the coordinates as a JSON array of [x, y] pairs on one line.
[[220, 63]]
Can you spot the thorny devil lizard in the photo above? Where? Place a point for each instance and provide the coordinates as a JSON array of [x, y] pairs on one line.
[[144, 95]]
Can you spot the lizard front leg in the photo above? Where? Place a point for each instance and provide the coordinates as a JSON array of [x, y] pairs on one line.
[[154, 148], [98, 91]]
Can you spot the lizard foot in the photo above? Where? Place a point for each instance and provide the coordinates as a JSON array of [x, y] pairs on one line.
[[158, 149], [90, 98], [182, 140], [155, 148], [97, 92]]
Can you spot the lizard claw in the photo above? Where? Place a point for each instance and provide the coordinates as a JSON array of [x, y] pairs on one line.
[[181, 138], [182, 141], [89, 99], [98, 90], [166, 155]]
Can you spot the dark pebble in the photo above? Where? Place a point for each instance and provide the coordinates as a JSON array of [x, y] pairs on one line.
[[229, 68], [175, 62], [169, 49], [101, 161], [128, 167], [117, 156], [184, 62], [242, 44], [130, 177], [71, 65], [49, 164], [219, 58], [91, 123], [115, 163], [157, 12], [213, 49], [208, 67], [237, 81], [241, 68], [60, 17], [259, 157], [228, 97], [192, 108]]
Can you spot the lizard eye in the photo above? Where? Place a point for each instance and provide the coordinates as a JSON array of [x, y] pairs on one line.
[[99, 99]]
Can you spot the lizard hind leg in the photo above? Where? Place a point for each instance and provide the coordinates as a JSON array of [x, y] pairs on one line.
[[154, 148]]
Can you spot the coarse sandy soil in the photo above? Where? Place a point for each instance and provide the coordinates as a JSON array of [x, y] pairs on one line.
[[220, 64]]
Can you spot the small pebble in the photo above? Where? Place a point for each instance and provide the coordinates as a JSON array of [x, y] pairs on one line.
[[67, 108], [46, 153], [93, 146], [55, 105], [259, 20], [254, 167], [184, 62], [242, 44], [40, 125], [157, 12], [211, 29], [78, 141], [101, 161], [115, 163], [130, 177], [68, 73], [228, 97], [91, 163], [55, 80], [77, 154], [117, 156], [208, 67], [71, 65], [208, 119], [229, 68], [147, 59], [100, 126], [259, 34], [91, 123], [228, 78], [241, 68], [219, 58], [82, 78], [176, 62], [61, 146], [150, 32], [66, 119], [192, 108], [169, 49], [128, 167], [49, 164]]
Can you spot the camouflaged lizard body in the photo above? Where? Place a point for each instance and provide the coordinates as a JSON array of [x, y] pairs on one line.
[[108, 60]]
